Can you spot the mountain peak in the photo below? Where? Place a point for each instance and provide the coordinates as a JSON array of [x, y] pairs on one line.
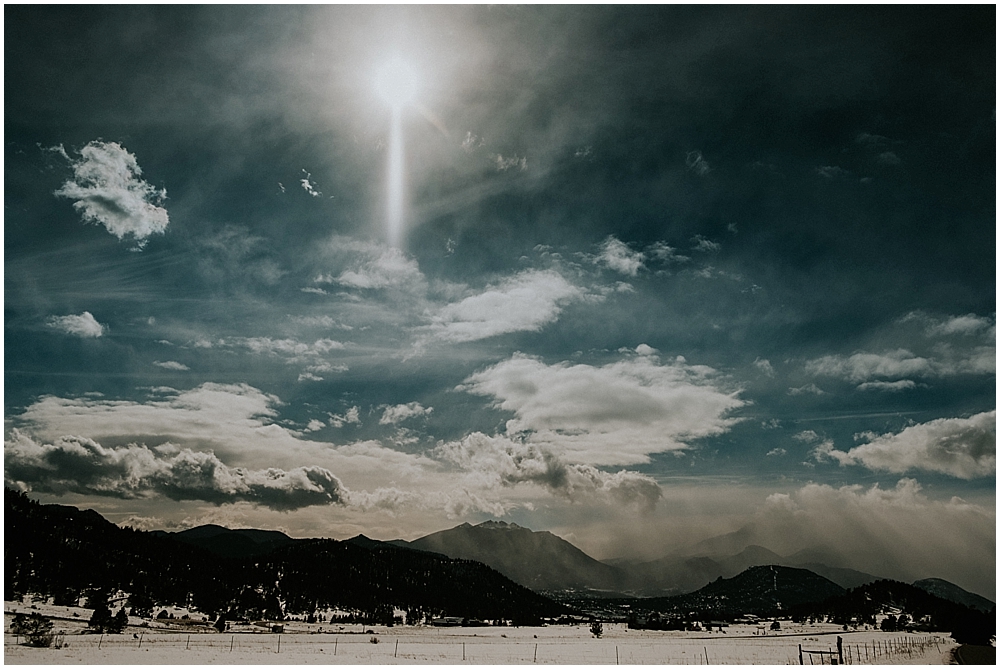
[[499, 525]]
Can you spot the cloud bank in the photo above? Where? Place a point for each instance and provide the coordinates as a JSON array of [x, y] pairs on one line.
[[81, 465]]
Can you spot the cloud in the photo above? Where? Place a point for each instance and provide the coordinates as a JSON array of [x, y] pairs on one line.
[[764, 366], [864, 366], [896, 532], [84, 325], [381, 267], [961, 447], [704, 245], [314, 425], [888, 386], [351, 416], [504, 164], [80, 465], [500, 461], [616, 255], [400, 412], [697, 163], [107, 190], [889, 158], [665, 253], [170, 364], [969, 324], [869, 139], [617, 413], [810, 389], [307, 185], [775, 452], [523, 303], [831, 172], [228, 418], [309, 376]]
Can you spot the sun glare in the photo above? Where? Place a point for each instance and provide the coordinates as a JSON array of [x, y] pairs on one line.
[[396, 82]]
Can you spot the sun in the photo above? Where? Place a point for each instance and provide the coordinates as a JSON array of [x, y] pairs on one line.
[[396, 82]]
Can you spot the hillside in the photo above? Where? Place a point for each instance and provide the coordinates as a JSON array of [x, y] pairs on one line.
[[946, 590], [761, 590], [66, 553], [231, 543], [537, 560]]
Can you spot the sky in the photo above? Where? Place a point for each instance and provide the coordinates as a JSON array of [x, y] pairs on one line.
[[658, 274]]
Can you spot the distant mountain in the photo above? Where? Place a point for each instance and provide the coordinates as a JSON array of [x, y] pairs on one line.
[[66, 553], [537, 560], [225, 542], [946, 590], [761, 590]]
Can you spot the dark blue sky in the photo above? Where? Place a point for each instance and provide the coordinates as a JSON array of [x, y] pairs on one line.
[[665, 272]]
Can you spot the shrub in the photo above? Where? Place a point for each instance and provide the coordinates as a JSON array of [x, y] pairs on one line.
[[35, 628], [596, 628]]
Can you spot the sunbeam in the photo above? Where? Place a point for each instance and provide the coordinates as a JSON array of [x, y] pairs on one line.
[[396, 83]]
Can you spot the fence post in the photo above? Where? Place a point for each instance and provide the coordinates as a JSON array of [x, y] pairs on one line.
[[840, 650], [535, 658], [231, 642], [800, 654], [187, 646], [397, 648], [335, 646], [706, 655]]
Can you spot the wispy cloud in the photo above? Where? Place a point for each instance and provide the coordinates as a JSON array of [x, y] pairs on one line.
[[107, 190], [83, 325], [704, 245], [172, 365], [523, 303], [697, 163]]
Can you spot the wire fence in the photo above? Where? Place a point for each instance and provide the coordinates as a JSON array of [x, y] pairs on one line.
[[247, 648]]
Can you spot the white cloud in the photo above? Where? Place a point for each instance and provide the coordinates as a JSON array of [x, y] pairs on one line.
[[810, 389], [170, 364], [777, 452], [618, 413], [84, 325], [352, 416], [397, 414], [314, 425], [380, 267], [968, 324], [945, 361], [308, 185], [81, 465], [865, 366], [961, 447], [309, 376], [888, 386], [522, 303], [500, 461], [616, 255], [107, 189]]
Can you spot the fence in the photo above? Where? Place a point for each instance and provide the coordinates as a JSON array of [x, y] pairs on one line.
[[433, 648], [869, 653]]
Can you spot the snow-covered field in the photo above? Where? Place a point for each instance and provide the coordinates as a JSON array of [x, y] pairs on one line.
[[169, 642]]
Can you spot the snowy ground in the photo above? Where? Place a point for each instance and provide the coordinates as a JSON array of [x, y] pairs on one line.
[[187, 642]]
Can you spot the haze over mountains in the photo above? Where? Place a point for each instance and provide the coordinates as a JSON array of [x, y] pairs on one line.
[[543, 561]]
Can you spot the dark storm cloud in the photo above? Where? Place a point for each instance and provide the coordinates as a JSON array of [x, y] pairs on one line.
[[81, 465]]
